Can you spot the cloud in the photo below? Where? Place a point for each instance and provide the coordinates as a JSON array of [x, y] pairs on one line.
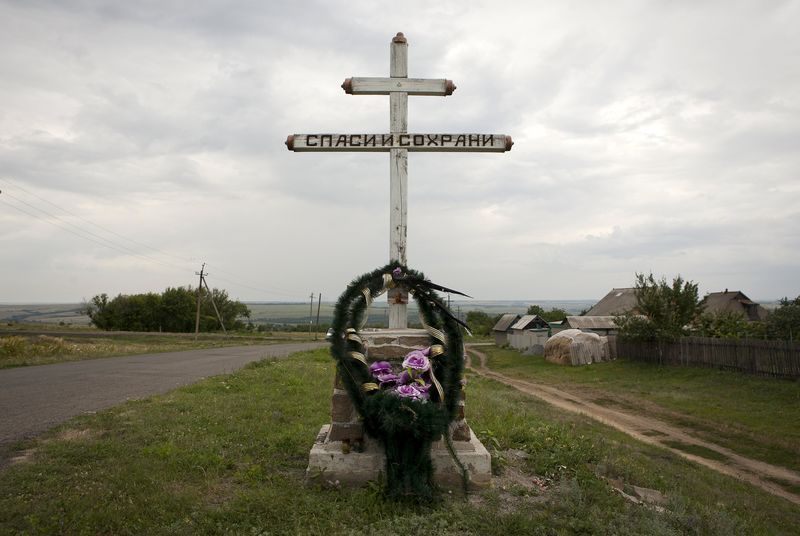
[[657, 135]]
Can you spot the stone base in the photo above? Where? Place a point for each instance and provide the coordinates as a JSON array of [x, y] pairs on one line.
[[328, 464]]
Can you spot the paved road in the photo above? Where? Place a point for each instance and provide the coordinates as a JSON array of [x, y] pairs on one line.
[[33, 399]]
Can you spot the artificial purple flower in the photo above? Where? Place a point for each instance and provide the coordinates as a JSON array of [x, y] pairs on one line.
[[423, 390], [387, 379], [417, 361], [405, 378], [397, 272], [380, 367], [409, 391]]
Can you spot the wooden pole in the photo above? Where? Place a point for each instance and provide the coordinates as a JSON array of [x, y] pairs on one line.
[[199, 292], [319, 304], [310, 314], [398, 179]]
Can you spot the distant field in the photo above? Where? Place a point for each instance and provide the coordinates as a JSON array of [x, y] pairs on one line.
[[283, 313]]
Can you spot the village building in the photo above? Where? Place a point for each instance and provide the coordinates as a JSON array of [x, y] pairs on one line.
[[617, 302], [602, 325], [529, 334], [500, 330], [734, 301]]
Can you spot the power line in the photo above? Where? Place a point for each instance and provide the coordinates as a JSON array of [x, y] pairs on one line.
[[15, 185], [105, 241], [117, 246]]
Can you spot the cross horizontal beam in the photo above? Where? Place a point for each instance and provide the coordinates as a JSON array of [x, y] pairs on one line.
[[479, 143], [413, 86]]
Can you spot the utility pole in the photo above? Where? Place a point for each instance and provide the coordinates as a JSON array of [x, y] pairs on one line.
[[199, 292], [311, 314], [319, 303]]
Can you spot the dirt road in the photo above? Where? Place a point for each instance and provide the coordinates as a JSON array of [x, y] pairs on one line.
[[33, 399], [652, 431]]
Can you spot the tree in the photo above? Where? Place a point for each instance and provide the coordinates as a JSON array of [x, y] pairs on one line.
[[480, 323], [784, 322], [553, 315], [666, 311], [173, 310], [728, 325]]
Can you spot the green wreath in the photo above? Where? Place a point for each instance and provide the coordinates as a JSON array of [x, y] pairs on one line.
[[406, 427]]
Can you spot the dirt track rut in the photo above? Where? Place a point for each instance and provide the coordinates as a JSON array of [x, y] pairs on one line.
[[653, 432]]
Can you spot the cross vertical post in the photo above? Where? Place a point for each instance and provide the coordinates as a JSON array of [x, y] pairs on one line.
[[398, 180]]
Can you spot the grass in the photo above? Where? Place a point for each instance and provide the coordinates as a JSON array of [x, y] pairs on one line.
[[18, 350], [755, 416], [227, 456]]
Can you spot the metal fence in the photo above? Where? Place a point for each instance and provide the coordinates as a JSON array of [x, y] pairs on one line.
[[770, 358]]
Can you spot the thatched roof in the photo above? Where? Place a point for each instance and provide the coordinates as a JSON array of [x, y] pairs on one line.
[[617, 302], [733, 301], [591, 322], [505, 322], [530, 322]]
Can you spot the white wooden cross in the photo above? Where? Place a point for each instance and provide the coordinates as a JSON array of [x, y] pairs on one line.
[[398, 142]]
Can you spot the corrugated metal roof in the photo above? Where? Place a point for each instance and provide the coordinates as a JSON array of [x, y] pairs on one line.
[[530, 321], [505, 322], [591, 322], [617, 302]]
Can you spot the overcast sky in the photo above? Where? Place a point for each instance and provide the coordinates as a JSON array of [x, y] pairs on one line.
[[140, 139]]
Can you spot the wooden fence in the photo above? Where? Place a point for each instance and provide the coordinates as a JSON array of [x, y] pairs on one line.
[[770, 358]]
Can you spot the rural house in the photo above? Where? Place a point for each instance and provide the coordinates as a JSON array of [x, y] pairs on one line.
[[500, 330], [617, 302], [733, 302]]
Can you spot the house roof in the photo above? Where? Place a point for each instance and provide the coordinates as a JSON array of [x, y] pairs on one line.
[[505, 322], [591, 322], [616, 302], [530, 321], [733, 301]]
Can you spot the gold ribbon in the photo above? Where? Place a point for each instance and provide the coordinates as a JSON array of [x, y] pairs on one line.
[[437, 350], [388, 281], [359, 356], [433, 332], [367, 387], [368, 300], [355, 337], [437, 385]]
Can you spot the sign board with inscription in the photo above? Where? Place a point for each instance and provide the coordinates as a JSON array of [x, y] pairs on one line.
[[490, 143]]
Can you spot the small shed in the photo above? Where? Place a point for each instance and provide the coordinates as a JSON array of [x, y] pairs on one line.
[[500, 330], [530, 322], [734, 301], [529, 334]]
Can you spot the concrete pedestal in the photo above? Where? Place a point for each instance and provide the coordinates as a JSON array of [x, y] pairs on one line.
[[328, 465]]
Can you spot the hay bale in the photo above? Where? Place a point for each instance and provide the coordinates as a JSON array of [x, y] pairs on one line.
[[575, 347], [557, 350]]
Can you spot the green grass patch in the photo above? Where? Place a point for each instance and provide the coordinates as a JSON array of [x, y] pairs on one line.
[[19, 350], [791, 487], [227, 456], [754, 416]]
